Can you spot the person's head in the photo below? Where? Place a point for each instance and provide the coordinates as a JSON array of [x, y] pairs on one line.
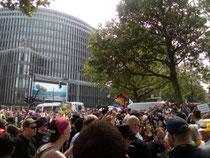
[[8, 114], [159, 136], [59, 129], [3, 124], [29, 128], [127, 134], [41, 125], [134, 123], [196, 115], [179, 131], [195, 133], [88, 120], [74, 118], [204, 128], [99, 139], [12, 130], [78, 124], [7, 146], [11, 120], [137, 114]]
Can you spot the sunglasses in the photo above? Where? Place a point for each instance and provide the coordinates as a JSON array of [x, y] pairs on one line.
[[33, 127]]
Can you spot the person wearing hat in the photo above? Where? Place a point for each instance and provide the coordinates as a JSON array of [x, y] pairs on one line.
[[127, 134], [42, 135], [25, 144], [59, 133], [180, 136], [204, 128]]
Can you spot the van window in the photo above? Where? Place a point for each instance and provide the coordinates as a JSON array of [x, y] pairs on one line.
[[48, 108]]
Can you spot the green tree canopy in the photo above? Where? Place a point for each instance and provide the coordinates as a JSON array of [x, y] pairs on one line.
[[150, 38], [26, 6], [190, 87]]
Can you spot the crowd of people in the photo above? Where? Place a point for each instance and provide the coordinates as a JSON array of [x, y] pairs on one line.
[[159, 132]]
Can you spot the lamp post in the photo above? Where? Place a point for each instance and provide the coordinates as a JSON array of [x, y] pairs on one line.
[[78, 85]]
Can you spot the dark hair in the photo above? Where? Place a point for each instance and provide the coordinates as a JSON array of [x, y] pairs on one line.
[[74, 118], [182, 115], [197, 114], [3, 123], [99, 139], [12, 130], [11, 120], [6, 145], [78, 124], [54, 134], [136, 113]]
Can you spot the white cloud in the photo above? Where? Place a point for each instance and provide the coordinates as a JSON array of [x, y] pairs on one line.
[[91, 11]]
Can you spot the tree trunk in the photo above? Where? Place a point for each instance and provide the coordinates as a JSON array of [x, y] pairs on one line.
[[136, 96], [175, 84]]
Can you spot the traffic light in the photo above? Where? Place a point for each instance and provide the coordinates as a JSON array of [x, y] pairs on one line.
[[26, 99], [30, 100]]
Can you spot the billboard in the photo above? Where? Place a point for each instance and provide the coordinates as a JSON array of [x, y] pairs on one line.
[[52, 93]]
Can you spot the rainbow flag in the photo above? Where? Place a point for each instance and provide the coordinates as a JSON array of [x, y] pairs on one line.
[[118, 102]]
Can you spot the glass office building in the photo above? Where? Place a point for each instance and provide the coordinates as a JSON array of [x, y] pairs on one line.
[[50, 47]]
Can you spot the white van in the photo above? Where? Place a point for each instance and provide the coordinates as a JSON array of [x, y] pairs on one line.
[[55, 106], [76, 106], [144, 105]]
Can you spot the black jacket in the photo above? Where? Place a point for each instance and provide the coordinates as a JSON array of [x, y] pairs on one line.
[[41, 139], [156, 150], [185, 151], [24, 148], [138, 149]]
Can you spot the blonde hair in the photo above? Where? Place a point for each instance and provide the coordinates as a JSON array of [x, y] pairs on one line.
[[195, 133]]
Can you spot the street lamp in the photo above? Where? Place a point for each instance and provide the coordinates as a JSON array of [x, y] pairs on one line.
[[78, 84]]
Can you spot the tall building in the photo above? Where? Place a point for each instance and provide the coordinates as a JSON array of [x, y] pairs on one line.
[[50, 47]]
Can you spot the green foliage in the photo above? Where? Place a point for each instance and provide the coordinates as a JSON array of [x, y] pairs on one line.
[[28, 7], [149, 39], [99, 104], [190, 87]]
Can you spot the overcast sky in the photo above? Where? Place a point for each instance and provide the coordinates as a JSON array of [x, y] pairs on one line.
[[91, 11]]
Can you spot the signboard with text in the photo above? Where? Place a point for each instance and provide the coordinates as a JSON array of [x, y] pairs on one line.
[[204, 108]]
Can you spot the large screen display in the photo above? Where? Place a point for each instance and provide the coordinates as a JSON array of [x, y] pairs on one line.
[[51, 91]]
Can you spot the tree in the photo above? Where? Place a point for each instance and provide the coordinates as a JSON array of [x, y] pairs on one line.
[[28, 7], [192, 92], [190, 84], [150, 38], [137, 88]]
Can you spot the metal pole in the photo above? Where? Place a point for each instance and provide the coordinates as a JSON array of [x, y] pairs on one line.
[[53, 93], [78, 86]]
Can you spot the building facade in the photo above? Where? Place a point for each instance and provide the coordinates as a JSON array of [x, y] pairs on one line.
[[50, 47]]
